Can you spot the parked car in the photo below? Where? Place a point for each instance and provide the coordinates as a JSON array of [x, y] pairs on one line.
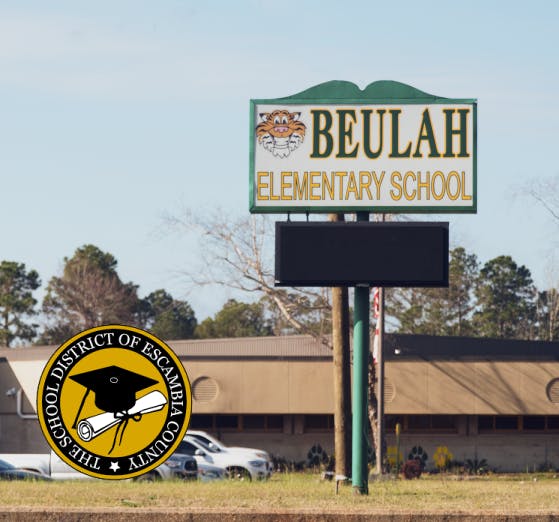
[[52, 466], [217, 445], [183, 466], [207, 472], [9, 472], [238, 465], [45, 464], [161, 472]]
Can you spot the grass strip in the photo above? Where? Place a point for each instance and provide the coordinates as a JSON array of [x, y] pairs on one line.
[[304, 492]]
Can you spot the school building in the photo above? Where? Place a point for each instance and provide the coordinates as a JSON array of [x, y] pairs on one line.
[[489, 399]]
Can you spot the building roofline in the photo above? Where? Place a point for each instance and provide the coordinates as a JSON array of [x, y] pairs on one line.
[[397, 347]]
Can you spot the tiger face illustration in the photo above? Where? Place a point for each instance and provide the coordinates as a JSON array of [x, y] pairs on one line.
[[280, 132]]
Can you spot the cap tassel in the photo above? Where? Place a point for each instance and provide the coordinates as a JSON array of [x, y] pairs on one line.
[[80, 409], [124, 417]]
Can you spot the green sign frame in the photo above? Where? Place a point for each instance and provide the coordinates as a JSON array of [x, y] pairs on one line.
[[380, 93]]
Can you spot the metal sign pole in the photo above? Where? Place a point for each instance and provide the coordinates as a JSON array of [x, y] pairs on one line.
[[379, 450], [359, 475], [380, 385]]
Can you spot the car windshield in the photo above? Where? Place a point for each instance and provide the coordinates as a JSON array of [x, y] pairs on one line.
[[215, 448], [211, 448], [187, 448]]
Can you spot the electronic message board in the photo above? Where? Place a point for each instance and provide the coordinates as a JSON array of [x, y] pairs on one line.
[[361, 253]]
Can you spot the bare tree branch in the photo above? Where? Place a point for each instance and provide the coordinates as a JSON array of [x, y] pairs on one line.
[[546, 192], [238, 254]]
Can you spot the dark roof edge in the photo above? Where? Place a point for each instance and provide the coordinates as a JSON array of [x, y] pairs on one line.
[[396, 347], [428, 347]]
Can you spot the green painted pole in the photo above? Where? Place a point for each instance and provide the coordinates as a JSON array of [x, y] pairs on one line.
[[359, 475]]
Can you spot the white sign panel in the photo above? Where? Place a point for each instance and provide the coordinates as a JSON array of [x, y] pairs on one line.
[[391, 157]]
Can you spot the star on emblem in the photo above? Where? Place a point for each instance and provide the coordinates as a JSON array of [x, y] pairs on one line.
[[114, 466]]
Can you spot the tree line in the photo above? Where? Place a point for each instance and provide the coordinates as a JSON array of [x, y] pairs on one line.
[[89, 292], [497, 299]]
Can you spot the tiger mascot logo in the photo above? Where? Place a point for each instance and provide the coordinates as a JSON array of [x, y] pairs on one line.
[[280, 132]]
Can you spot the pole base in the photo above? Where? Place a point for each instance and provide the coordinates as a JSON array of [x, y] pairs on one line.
[[359, 490]]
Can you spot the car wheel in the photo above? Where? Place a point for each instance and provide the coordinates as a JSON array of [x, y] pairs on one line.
[[150, 476], [238, 473]]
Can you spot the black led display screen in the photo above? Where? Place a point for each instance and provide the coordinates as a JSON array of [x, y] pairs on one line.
[[361, 253]]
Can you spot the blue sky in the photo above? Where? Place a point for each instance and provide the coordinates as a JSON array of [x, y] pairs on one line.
[[115, 113]]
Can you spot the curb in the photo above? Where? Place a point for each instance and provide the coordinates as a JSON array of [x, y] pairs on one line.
[[67, 515]]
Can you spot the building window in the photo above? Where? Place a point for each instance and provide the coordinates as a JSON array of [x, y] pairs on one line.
[[533, 423], [319, 423], [390, 422], [527, 423], [443, 423], [227, 422], [418, 423], [254, 422], [506, 423], [485, 423], [540, 423], [262, 423], [236, 422], [492, 423], [421, 423], [214, 422], [275, 422], [201, 422]]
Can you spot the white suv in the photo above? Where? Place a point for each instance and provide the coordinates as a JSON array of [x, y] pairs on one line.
[[241, 465], [218, 446]]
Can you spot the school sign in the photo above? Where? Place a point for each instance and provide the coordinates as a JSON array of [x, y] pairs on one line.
[[387, 148]]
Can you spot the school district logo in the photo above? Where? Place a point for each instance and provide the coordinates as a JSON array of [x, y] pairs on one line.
[[114, 402]]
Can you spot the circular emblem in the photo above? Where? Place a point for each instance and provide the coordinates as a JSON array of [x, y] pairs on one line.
[[114, 402]]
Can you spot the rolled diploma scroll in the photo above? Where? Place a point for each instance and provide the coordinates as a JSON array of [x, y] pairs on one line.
[[93, 426]]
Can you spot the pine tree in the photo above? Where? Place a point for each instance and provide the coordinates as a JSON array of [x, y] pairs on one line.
[[17, 303]]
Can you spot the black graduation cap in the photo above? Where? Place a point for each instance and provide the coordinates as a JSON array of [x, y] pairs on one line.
[[114, 387], [115, 390]]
